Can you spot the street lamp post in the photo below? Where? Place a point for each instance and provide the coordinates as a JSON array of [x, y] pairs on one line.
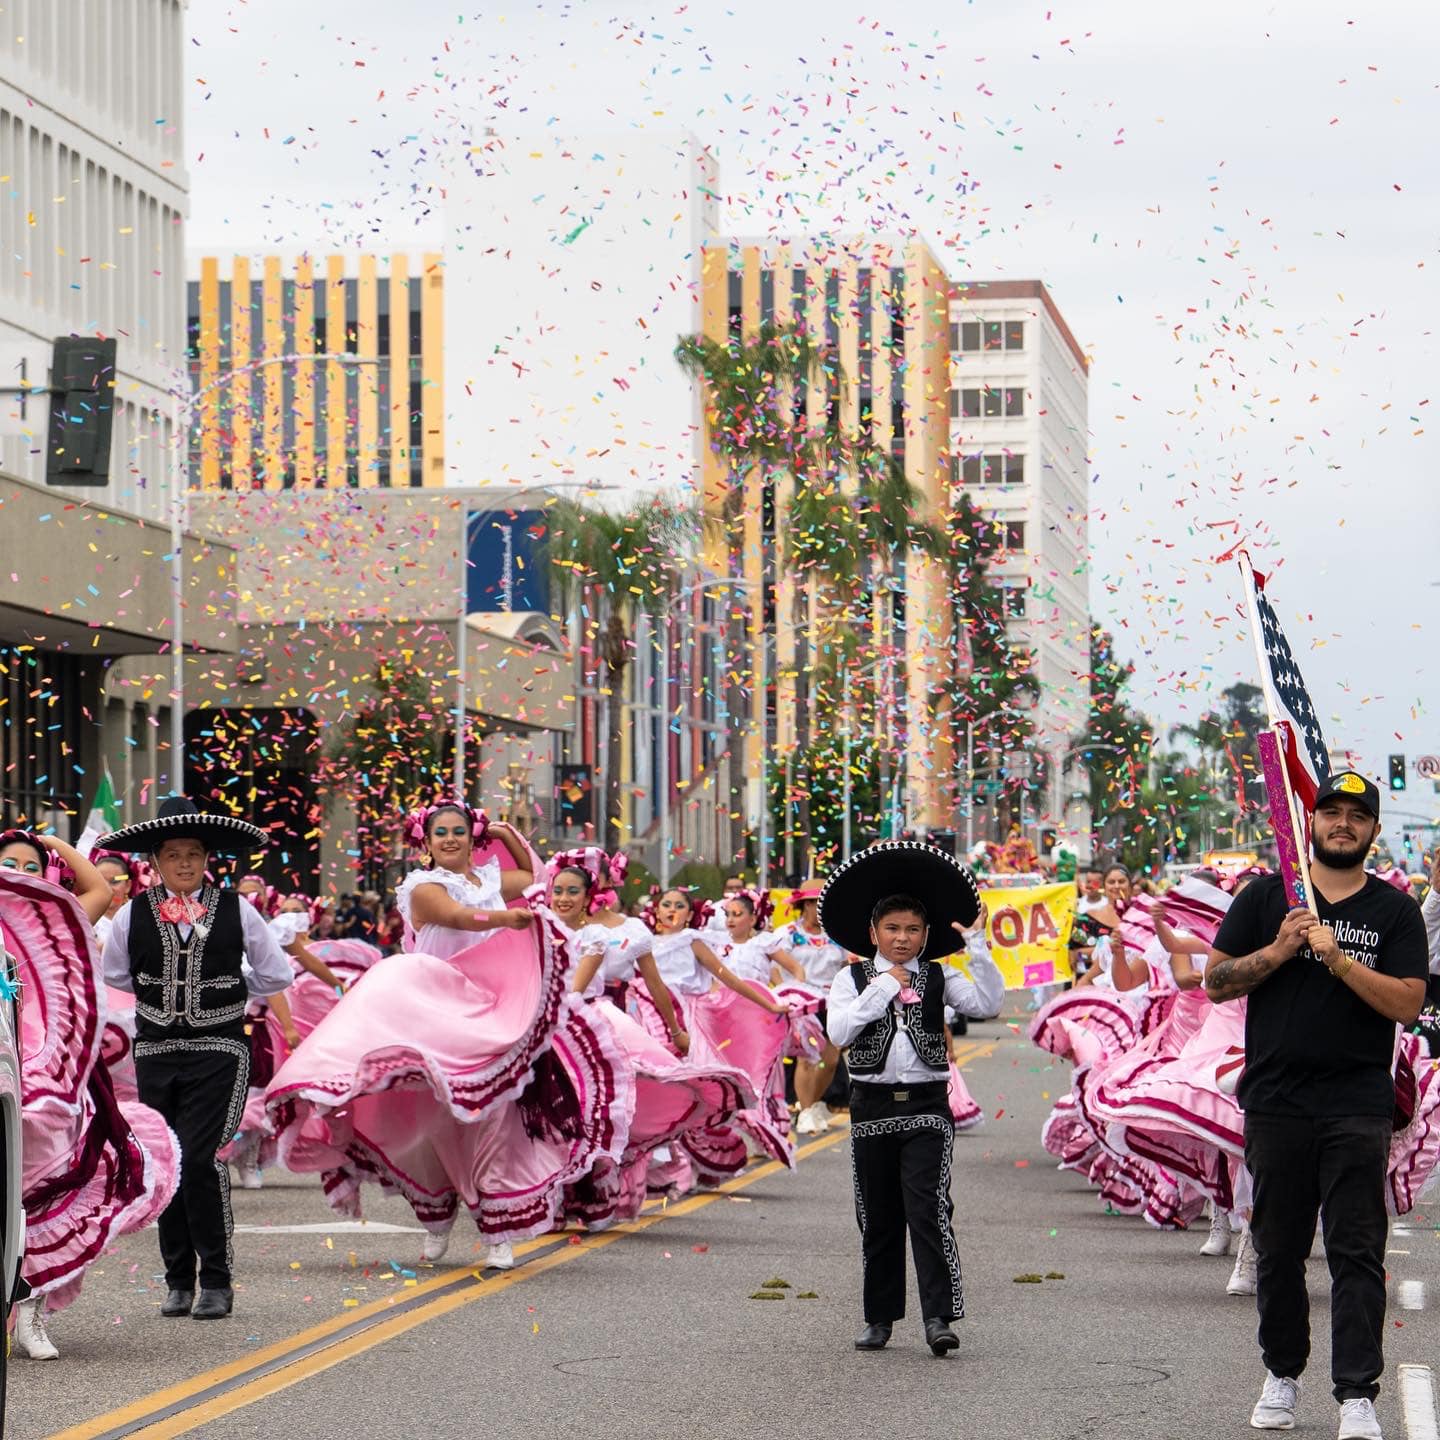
[[185, 404]]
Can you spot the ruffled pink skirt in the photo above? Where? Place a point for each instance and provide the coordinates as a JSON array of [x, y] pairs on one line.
[[476, 1080], [726, 1026], [96, 1163], [674, 1097]]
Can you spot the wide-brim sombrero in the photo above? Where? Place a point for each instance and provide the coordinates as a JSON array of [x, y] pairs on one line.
[[935, 878], [178, 819]]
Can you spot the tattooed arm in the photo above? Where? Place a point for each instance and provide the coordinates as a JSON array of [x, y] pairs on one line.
[[1228, 977]]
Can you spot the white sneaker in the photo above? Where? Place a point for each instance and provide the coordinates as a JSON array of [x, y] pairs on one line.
[[805, 1121], [1219, 1241], [30, 1337], [250, 1177], [821, 1111], [499, 1257], [1275, 1409], [1358, 1421], [1242, 1277], [435, 1246]]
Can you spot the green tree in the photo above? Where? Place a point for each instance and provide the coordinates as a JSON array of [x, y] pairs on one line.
[[388, 756], [1116, 743]]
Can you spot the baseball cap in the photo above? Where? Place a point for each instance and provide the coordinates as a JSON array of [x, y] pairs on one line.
[[1350, 786]]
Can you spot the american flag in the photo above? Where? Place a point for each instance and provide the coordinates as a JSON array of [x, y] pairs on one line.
[[1307, 761]]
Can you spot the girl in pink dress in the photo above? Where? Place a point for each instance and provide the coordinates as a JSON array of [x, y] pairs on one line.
[[673, 1096], [97, 1164], [739, 1020], [461, 1071]]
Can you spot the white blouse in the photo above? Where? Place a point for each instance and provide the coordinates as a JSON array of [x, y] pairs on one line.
[[677, 963], [621, 946], [441, 940], [750, 959], [822, 958]]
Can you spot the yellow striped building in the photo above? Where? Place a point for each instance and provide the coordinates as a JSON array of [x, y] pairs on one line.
[[269, 416], [882, 307]]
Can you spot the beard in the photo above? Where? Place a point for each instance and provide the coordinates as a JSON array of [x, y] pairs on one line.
[[1339, 859]]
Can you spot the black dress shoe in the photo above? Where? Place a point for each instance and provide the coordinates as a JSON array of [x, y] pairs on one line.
[[178, 1302], [940, 1337], [214, 1304], [873, 1337]]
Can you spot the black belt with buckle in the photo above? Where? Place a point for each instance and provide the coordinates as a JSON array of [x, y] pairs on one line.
[[924, 1090]]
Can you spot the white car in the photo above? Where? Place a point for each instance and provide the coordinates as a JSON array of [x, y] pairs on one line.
[[12, 1212]]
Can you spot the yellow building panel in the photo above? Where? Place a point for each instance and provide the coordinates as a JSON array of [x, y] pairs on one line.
[[849, 337], [786, 677], [303, 384], [752, 536], [237, 392], [432, 361], [337, 420], [399, 370], [881, 367], [209, 344], [714, 479], [816, 398], [271, 467], [367, 377]]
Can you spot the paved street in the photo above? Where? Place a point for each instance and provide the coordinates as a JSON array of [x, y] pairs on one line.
[[654, 1332]]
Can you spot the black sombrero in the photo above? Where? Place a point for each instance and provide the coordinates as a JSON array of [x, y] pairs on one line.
[[934, 877], [178, 819]]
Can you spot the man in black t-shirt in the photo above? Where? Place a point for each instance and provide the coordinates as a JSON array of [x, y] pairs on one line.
[[1325, 997]]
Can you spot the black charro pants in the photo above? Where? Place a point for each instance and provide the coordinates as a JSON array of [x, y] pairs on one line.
[[1336, 1165], [198, 1083], [900, 1142]]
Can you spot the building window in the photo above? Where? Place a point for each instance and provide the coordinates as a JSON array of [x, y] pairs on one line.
[[1015, 535], [734, 302], [1014, 598], [970, 404], [954, 335], [1014, 334], [954, 404], [994, 335], [970, 336], [991, 400], [1014, 401], [1014, 469]]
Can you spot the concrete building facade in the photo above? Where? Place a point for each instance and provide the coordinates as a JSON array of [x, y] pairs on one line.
[[1019, 444]]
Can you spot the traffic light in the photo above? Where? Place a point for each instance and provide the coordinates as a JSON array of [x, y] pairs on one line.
[[1397, 772], [82, 411]]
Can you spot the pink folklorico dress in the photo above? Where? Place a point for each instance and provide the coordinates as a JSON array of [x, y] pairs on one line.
[[96, 1163], [459, 1072], [673, 1097], [735, 1031], [310, 1000]]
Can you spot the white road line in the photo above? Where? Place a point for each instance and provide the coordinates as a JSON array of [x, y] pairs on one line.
[[1417, 1402], [1410, 1294], [340, 1227]]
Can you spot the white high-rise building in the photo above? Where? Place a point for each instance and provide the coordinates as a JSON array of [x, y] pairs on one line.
[[1018, 438], [92, 224]]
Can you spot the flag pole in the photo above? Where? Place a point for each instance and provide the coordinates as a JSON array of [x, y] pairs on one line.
[[1297, 830]]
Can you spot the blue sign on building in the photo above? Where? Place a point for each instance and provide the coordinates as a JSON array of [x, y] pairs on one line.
[[507, 570]]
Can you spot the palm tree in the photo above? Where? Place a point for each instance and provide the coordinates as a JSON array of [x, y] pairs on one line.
[[622, 564]]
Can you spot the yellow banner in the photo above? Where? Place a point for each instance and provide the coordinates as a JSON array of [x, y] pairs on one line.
[[1029, 933]]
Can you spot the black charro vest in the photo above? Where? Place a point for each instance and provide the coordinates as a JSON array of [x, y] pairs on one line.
[[924, 1022], [184, 986]]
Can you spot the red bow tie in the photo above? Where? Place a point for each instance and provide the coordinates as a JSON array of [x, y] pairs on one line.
[[180, 910]]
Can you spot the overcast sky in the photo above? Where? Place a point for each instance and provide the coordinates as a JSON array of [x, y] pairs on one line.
[[1235, 208]]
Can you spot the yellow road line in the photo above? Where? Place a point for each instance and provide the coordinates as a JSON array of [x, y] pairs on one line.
[[971, 1050], [447, 1298]]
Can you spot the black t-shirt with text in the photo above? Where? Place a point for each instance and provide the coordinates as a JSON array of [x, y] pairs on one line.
[[1312, 1046]]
